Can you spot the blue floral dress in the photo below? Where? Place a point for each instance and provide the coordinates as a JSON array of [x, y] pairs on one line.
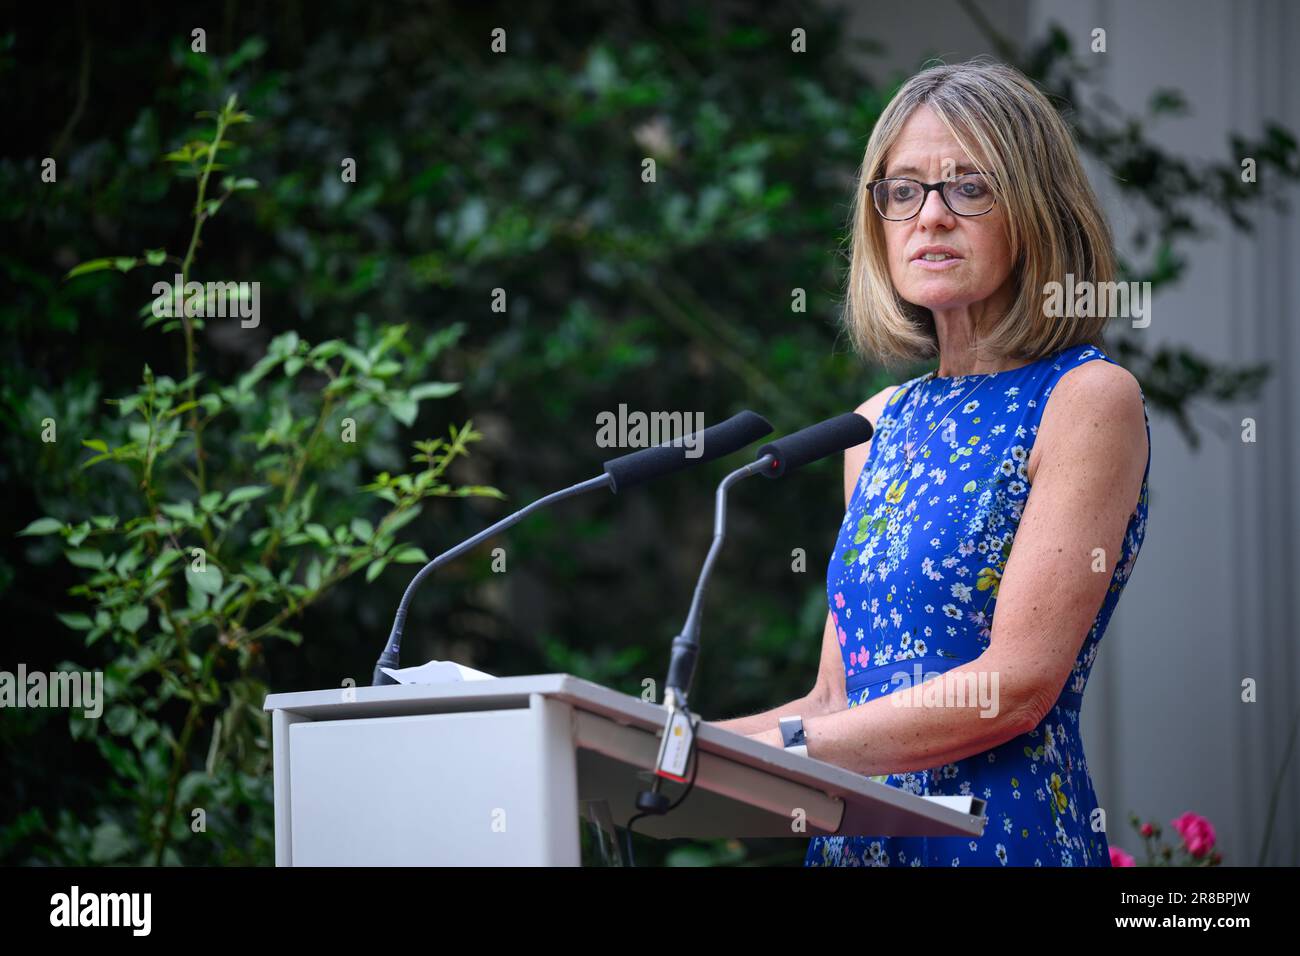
[[914, 578]]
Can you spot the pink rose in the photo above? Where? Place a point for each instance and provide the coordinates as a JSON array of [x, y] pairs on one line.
[[1119, 858], [1147, 830], [1197, 833]]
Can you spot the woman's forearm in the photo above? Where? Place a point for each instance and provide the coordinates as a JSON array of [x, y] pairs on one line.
[[912, 730], [807, 706]]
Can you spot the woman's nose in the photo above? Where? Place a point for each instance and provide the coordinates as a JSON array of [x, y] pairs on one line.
[[934, 211]]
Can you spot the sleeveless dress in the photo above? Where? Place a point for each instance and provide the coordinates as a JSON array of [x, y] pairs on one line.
[[913, 582]]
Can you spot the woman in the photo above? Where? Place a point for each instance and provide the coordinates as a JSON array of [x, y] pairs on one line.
[[995, 516]]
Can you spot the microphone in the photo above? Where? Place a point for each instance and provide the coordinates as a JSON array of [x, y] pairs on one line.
[[774, 460], [815, 442], [722, 439], [626, 471]]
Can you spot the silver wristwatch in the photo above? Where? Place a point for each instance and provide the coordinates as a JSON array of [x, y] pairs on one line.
[[792, 735]]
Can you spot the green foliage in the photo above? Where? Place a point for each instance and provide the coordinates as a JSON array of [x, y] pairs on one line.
[[228, 544]]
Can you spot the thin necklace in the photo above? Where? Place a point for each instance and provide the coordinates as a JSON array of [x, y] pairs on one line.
[[910, 452]]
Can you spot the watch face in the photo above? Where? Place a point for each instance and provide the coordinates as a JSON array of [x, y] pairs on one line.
[[792, 734]]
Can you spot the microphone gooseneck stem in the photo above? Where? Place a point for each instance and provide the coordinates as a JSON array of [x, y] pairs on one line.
[[686, 645], [393, 648]]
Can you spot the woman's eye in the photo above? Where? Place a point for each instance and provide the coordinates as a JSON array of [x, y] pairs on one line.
[[903, 191]]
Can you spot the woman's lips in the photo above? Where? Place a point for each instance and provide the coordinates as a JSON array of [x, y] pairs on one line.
[[939, 266]]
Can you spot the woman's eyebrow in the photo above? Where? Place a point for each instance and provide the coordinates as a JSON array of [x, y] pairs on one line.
[[913, 171]]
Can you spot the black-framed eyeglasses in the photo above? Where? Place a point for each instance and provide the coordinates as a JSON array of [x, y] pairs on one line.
[[898, 198]]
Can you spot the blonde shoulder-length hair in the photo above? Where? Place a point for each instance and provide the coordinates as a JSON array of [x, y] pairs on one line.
[[1055, 225]]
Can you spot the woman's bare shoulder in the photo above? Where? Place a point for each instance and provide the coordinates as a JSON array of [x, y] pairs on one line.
[[872, 407], [1096, 408]]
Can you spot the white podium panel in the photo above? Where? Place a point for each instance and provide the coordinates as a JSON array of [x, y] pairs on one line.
[[435, 789]]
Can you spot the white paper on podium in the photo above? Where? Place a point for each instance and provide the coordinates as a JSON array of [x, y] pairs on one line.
[[435, 672]]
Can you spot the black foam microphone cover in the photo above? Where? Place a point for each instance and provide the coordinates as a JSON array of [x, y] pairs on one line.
[[717, 441], [815, 442]]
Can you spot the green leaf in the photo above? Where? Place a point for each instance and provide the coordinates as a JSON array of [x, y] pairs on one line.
[[258, 371], [163, 560], [94, 265], [246, 493], [411, 555], [134, 618], [120, 719], [78, 534], [404, 409], [86, 558], [319, 535], [109, 842], [283, 345], [43, 526], [401, 520], [78, 622], [362, 529], [433, 390], [95, 444], [376, 569], [125, 263], [181, 511], [128, 561], [326, 350], [207, 581], [356, 357], [155, 257]]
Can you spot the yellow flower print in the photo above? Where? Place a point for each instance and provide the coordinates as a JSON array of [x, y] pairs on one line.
[[989, 578], [895, 493], [1060, 799]]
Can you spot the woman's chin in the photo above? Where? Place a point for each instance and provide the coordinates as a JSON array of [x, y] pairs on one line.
[[939, 302]]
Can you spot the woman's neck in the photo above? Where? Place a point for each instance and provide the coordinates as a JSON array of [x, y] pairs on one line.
[[959, 333]]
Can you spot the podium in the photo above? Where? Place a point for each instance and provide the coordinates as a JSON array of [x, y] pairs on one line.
[[501, 772]]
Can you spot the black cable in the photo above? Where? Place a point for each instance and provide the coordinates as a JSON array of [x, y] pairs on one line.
[[627, 831]]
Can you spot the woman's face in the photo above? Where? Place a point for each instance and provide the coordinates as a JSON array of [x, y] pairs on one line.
[[982, 263]]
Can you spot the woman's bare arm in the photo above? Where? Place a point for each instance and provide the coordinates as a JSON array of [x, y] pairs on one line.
[[1092, 454], [819, 700]]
